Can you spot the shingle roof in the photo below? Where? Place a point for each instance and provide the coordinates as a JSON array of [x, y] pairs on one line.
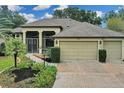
[[88, 30], [64, 23]]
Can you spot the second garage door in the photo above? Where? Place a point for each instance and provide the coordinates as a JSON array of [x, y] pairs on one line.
[[78, 50], [114, 49]]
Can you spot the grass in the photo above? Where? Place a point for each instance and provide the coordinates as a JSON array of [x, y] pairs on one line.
[[28, 74], [5, 62]]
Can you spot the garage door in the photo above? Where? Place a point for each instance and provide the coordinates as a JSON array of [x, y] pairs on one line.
[[114, 50], [78, 50]]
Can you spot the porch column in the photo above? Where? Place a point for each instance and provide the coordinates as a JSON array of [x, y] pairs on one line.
[[122, 49], [20, 36], [40, 42], [24, 37]]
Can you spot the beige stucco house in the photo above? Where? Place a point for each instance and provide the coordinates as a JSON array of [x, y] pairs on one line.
[[77, 41]]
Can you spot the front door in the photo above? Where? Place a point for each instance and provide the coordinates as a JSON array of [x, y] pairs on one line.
[[32, 45]]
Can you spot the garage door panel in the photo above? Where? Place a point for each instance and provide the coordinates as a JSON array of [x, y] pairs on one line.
[[78, 50], [114, 49]]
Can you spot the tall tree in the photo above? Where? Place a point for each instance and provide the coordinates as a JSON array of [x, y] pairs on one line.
[[6, 23], [115, 20], [10, 19], [115, 24], [79, 15], [109, 15]]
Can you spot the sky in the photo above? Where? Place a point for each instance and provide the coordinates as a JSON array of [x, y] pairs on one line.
[[37, 12]]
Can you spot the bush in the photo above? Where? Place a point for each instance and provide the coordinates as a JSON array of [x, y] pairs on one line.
[[25, 63], [54, 53], [46, 78], [38, 66], [102, 55]]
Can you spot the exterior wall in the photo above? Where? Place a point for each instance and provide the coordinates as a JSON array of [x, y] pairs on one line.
[[122, 49], [56, 43], [40, 30], [99, 40]]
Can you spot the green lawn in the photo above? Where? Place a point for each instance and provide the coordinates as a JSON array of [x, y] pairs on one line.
[[5, 62]]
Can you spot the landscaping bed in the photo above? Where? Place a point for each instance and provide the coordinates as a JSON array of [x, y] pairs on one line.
[[28, 74]]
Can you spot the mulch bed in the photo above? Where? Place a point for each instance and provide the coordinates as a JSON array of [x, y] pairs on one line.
[[18, 78], [23, 73]]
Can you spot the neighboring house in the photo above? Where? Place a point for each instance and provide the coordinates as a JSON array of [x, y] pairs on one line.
[[77, 41]]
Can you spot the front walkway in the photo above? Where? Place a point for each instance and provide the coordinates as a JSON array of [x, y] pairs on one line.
[[36, 59], [33, 58], [89, 74]]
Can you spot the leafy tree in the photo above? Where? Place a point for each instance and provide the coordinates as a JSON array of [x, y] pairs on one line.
[[18, 20], [121, 14], [6, 23], [79, 15], [10, 19], [115, 24], [109, 15], [115, 20], [14, 43], [14, 46]]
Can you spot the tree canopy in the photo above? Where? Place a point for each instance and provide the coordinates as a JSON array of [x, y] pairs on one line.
[[115, 24], [10, 19], [79, 15], [14, 43], [115, 20]]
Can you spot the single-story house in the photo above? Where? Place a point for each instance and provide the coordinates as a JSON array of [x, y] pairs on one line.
[[77, 40]]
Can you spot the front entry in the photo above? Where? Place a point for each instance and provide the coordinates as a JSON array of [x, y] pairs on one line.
[[32, 45], [32, 41]]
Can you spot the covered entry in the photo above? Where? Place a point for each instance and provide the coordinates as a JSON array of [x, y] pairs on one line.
[[83, 50], [32, 41]]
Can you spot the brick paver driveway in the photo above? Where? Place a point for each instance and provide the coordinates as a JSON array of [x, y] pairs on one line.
[[89, 74]]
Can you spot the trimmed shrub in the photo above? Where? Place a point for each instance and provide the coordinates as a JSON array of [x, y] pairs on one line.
[[102, 56], [54, 54], [46, 78]]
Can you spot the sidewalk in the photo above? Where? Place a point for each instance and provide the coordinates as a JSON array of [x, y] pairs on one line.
[[36, 59]]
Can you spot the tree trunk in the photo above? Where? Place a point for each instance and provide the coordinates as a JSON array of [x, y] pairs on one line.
[[15, 59]]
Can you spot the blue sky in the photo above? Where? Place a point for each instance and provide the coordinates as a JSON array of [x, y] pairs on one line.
[[36, 12]]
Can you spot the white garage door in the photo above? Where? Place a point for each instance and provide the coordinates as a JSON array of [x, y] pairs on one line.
[[114, 49], [78, 50]]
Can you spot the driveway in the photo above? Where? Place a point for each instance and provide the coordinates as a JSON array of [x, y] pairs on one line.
[[89, 74]]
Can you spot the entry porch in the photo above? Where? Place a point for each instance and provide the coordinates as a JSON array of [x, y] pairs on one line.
[[37, 41]]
